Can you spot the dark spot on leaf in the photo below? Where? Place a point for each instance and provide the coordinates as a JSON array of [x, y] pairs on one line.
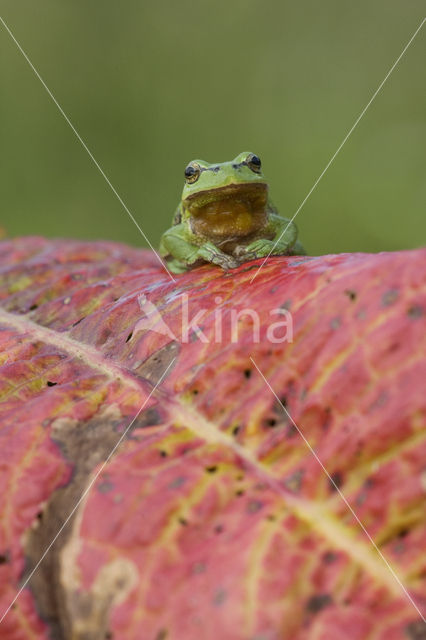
[[236, 430], [195, 392], [283, 401], [271, 422], [389, 297], [254, 506], [211, 469], [78, 321], [108, 635], [183, 522], [294, 481], [380, 401], [399, 547], [199, 567], [4, 557], [105, 486], [240, 492], [39, 516], [403, 532], [219, 597], [33, 307], [129, 337], [415, 311], [163, 453], [271, 517], [416, 630], [247, 373], [336, 480], [329, 557], [218, 528], [177, 482], [335, 323], [51, 384], [327, 419], [351, 294], [162, 634], [291, 431], [318, 602]]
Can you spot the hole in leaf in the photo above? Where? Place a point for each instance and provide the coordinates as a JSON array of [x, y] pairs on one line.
[[336, 481], [271, 422], [351, 294], [51, 384], [129, 337], [247, 373], [211, 469]]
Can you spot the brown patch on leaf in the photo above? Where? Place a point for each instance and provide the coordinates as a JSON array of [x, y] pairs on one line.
[[318, 602], [416, 630], [86, 445], [153, 367]]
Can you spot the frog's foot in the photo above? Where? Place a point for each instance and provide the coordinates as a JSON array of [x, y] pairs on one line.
[[210, 253], [262, 248]]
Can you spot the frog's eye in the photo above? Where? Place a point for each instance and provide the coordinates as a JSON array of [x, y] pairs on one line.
[[254, 163], [192, 172]]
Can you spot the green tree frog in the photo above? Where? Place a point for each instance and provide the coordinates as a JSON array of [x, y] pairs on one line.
[[226, 217]]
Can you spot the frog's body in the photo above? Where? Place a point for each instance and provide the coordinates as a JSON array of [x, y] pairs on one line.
[[226, 217]]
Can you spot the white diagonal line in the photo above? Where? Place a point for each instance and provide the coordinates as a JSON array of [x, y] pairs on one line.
[[86, 491], [342, 143], [84, 145], [392, 571]]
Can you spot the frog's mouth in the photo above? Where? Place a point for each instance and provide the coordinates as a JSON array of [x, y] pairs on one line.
[[232, 211]]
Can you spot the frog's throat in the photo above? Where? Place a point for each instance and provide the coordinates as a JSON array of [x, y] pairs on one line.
[[235, 210]]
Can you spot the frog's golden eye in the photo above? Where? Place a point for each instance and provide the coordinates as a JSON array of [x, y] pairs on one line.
[[254, 163], [192, 172]]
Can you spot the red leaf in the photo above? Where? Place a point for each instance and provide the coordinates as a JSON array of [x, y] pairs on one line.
[[212, 518]]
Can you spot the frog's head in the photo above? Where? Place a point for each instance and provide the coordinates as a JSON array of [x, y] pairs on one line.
[[225, 199]]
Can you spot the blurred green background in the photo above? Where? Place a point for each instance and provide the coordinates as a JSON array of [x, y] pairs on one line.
[[151, 85]]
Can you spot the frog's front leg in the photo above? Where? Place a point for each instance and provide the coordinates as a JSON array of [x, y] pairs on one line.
[[283, 242], [210, 253], [176, 242]]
